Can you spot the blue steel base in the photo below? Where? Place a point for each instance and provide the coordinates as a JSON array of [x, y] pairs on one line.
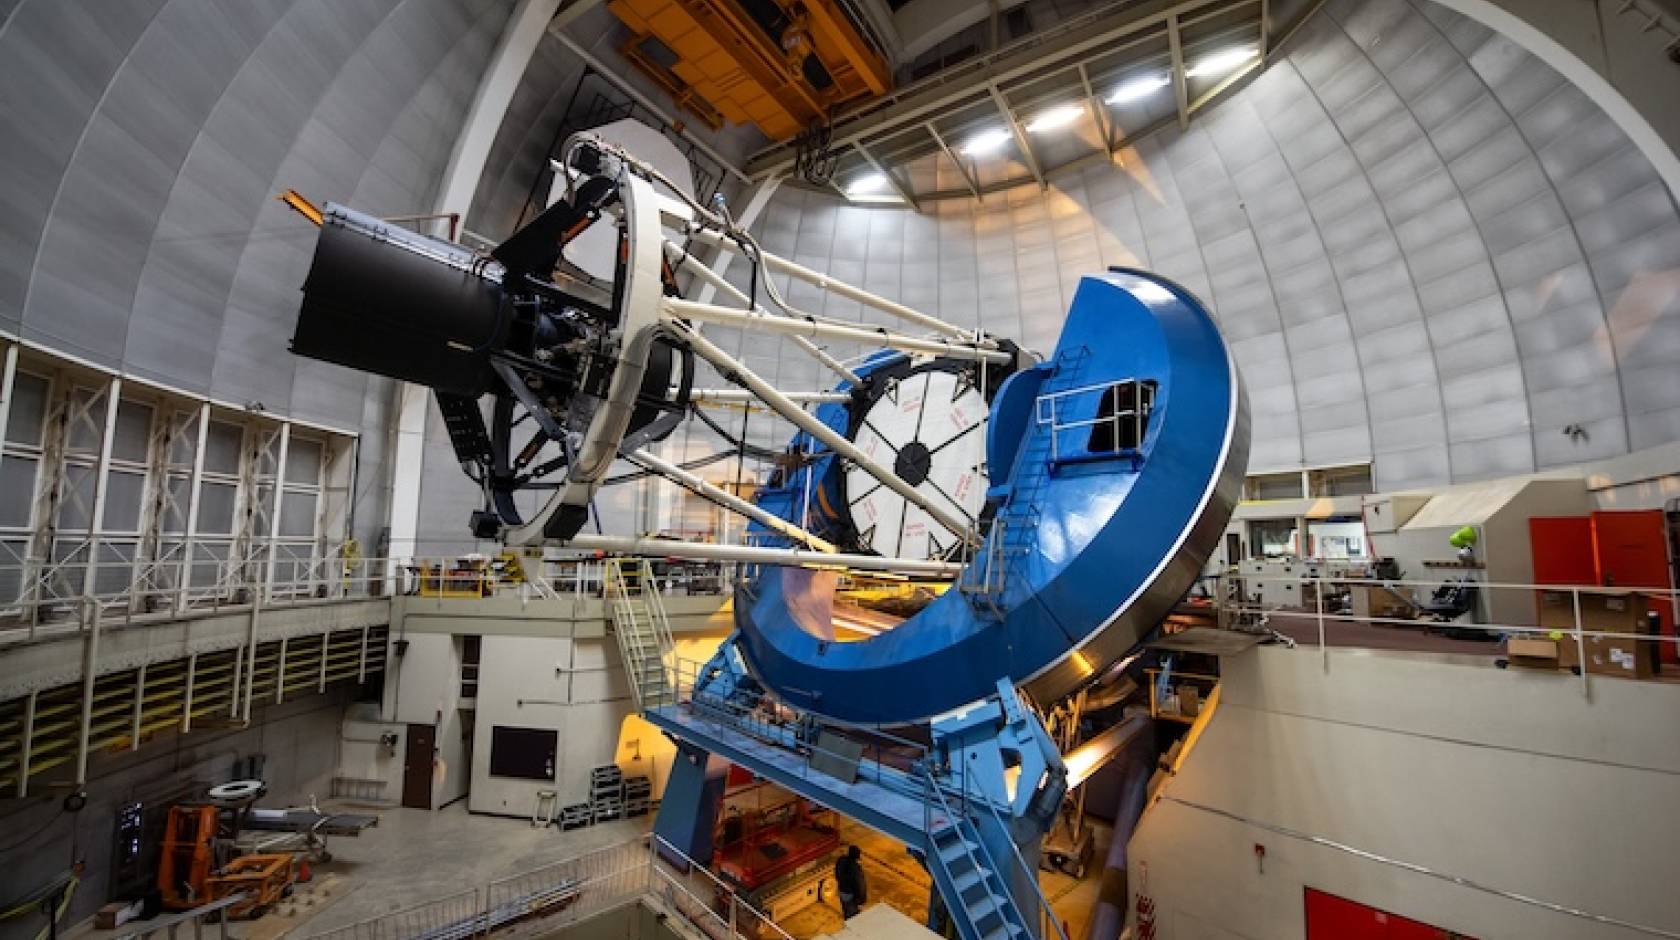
[[953, 808]]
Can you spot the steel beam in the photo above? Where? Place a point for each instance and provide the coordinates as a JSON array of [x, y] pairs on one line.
[[736, 396], [819, 279], [728, 500], [274, 511], [751, 554], [736, 371], [1175, 43], [1019, 132], [101, 487], [904, 191], [969, 180], [789, 326], [716, 282], [1098, 112], [920, 103]]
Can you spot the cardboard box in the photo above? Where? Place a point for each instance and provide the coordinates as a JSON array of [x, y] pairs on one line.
[[1532, 652], [1189, 701], [1609, 613]]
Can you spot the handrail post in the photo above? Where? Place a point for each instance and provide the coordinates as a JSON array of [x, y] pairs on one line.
[[1580, 643], [1318, 601]]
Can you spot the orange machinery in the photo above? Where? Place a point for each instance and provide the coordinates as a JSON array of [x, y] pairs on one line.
[[263, 878], [781, 64], [189, 856]]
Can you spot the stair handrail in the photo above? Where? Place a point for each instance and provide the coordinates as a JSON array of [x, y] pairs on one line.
[[1032, 873], [937, 790]]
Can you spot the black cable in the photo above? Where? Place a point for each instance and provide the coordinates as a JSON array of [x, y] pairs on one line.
[[751, 450], [45, 826]]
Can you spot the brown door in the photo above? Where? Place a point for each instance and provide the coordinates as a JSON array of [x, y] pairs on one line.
[[417, 766]]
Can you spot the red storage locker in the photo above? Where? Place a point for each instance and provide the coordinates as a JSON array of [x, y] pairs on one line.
[[1562, 547], [1630, 549]]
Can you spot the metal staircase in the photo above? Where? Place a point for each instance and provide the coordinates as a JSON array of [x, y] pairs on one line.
[[975, 894], [638, 620]]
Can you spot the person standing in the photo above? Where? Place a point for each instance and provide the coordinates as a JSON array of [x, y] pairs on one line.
[[849, 881]]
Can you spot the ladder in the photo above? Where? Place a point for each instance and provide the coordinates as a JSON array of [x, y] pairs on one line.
[[637, 616]]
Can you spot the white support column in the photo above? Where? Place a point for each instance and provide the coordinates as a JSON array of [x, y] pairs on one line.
[[280, 671], [235, 690], [518, 42], [322, 685], [101, 479], [27, 744], [361, 662], [267, 590], [194, 486], [251, 656], [139, 708], [89, 613], [8, 381], [734, 370], [187, 693], [409, 454]]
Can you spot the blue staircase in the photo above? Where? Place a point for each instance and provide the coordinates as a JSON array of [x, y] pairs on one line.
[[975, 894]]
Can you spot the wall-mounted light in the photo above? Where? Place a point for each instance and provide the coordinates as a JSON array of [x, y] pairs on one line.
[[866, 184], [1138, 89], [986, 142], [1054, 119], [1221, 62]]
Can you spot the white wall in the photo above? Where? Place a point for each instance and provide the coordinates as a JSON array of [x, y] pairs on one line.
[[1512, 780], [425, 688]]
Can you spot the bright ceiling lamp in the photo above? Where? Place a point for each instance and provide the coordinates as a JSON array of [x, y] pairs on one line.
[[1221, 62], [867, 184], [1054, 119], [1138, 89], [986, 142]]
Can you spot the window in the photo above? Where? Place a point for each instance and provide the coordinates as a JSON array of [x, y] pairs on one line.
[[1341, 481], [1274, 486], [1123, 417]]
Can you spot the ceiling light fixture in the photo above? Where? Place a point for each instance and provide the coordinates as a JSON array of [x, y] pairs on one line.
[[1138, 89], [1054, 119], [866, 184], [1223, 61], [986, 142]]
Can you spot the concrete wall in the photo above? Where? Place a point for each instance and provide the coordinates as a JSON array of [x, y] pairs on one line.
[[40, 840], [1427, 248], [1513, 781]]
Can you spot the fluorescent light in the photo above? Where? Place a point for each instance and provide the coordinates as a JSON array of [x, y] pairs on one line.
[[986, 142], [866, 184], [1223, 61], [1054, 119], [1138, 88]]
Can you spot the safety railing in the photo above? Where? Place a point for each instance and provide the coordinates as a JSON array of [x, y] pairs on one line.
[[32, 607], [773, 722], [195, 919], [1598, 630], [572, 890], [1123, 415]]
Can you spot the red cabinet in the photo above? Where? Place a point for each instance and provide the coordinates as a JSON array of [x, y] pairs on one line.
[[1332, 918], [1611, 548]]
